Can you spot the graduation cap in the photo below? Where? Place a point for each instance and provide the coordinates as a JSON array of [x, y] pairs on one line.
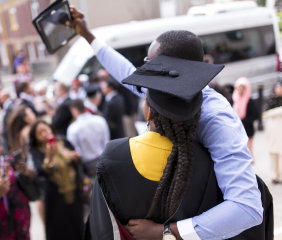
[[51, 25], [174, 85]]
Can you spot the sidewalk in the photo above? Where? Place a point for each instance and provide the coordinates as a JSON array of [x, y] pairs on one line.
[[263, 169]]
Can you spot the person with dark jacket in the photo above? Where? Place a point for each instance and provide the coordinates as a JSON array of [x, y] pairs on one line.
[[63, 117], [26, 96], [56, 165], [113, 108], [7, 104]]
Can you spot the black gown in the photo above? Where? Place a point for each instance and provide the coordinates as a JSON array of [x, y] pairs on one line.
[[62, 221], [128, 195]]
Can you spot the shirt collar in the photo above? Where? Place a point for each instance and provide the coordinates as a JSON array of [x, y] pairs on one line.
[[110, 95], [62, 99], [7, 103], [88, 104], [26, 96]]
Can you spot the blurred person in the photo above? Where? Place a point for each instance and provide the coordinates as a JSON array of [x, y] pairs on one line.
[[89, 135], [220, 89], [217, 118], [273, 129], [230, 89], [57, 163], [22, 73], [16, 217], [113, 108], [18, 59], [246, 108], [14, 208], [62, 117], [7, 105], [131, 103], [40, 98], [26, 96], [19, 124], [102, 75], [77, 91], [93, 99]]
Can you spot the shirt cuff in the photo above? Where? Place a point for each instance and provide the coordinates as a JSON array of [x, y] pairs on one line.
[[186, 230], [97, 45]]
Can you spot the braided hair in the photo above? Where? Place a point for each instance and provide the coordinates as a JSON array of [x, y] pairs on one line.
[[175, 179]]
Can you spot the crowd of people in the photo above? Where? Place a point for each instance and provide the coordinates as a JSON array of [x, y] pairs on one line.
[[54, 144], [53, 149]]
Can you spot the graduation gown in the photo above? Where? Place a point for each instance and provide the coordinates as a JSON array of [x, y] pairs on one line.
[[121, 194]]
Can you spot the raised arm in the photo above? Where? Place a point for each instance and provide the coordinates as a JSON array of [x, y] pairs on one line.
[[116, 64]]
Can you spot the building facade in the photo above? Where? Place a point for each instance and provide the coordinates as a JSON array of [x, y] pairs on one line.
[[17, 32]]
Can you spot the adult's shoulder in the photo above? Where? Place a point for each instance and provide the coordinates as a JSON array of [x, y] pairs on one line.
[[216, 106], [201, 154], [214, 101], [114, 152], [114, 147]]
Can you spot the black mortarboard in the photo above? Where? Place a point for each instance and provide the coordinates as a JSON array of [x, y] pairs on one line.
[[174, 85]]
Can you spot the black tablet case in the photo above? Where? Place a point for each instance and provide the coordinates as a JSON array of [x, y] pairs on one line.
[[55, 14]]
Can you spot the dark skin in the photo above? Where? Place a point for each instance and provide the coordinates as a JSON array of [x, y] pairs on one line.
[[140, 229]]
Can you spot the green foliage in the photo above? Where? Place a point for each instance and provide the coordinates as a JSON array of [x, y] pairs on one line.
[[279, 14]]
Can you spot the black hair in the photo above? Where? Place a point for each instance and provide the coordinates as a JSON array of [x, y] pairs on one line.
[[175, 179], [63, 86], [77, 104], [23, 86], [16, 124], [112, 83], [181, 44], [33, 142]]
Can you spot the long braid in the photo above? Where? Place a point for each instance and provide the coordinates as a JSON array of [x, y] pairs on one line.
[[174, 181]]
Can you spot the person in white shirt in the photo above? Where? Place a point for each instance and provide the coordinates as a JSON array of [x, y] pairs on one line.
[[89, 135]]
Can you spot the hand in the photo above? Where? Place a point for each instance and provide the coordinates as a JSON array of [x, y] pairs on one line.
[[141, 229], [22, 168], [80, 25], [75, 156], [70, 155], [4, 186]]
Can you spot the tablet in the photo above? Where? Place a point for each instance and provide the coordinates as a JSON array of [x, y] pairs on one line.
[[50, 24]]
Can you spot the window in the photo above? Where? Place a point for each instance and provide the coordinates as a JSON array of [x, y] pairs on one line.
[[41, 50], [135, 54], [240, 44], [1, 29], [14, 25], [34, 7], [31, 51], [4, 55]]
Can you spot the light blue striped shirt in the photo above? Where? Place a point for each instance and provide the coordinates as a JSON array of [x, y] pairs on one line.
[[222, 133]]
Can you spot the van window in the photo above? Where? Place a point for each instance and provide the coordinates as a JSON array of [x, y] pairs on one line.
[[225, 47], [240, 44], [135, 55]]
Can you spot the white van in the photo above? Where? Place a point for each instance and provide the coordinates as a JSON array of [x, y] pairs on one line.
[[243, 37]]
